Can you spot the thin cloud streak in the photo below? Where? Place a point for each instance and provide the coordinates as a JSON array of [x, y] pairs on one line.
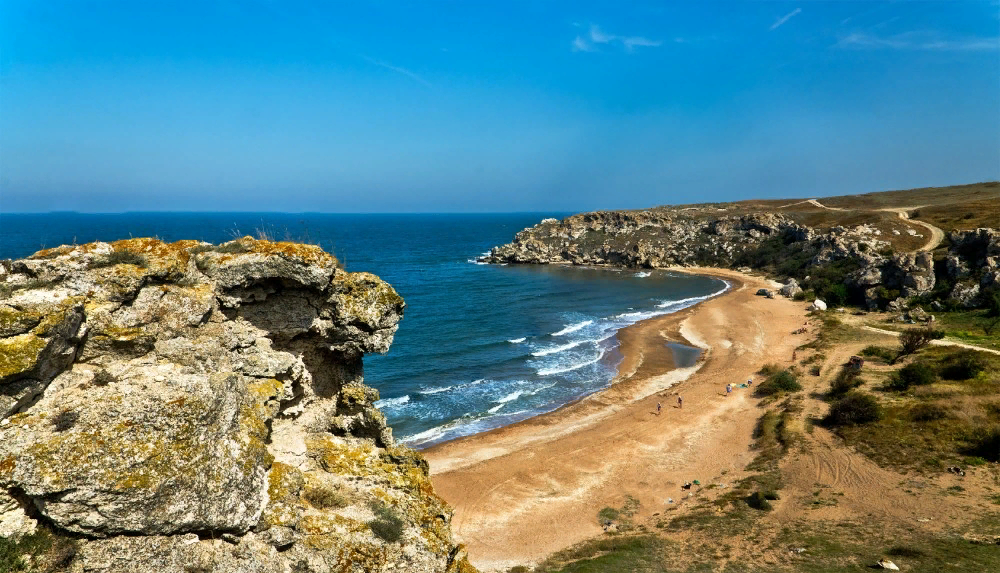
[[781, 21], [918, 41], [398, 70], [598, 36]]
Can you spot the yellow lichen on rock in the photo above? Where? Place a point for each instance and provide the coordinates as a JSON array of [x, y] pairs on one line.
[[19, 354]]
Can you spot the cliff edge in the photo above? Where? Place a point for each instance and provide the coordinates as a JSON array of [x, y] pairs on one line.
[[194, 407]]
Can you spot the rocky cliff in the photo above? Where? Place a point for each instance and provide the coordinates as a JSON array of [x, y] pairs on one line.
[[191, 407], [853, 263]]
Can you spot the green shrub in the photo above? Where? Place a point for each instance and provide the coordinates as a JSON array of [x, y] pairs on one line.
[[607, 514], [769, 369], [881, 352], [387, 525], [983, 442], [122, 257], [963, 365], [847, 379], [914, 374], [854, 408], [913, 339], [928, 413], [781, 381], [758, 500]]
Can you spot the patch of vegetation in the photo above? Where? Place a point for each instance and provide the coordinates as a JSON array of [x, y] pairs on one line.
[[928, 412], [913, 339], [120, 257], [323, 496], [913, 374], [778, 382], [761, 500], [41, 552], [887, 355], [102, 378], [633, 553], [65, 420], [984, 442], [387, 524], [853, 409], [620, 516], [963, 365], [847, 379]]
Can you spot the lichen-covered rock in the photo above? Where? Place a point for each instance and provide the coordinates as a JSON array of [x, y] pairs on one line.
[[189, 406]]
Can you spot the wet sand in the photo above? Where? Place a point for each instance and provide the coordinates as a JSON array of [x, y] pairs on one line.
[[524, 491]]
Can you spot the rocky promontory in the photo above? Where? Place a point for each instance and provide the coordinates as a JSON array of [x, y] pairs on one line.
[[856, 263], [193, 407]]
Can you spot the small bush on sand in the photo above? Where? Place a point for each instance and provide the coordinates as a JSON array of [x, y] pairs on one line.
[[758, 500], [854, 408], [769, 370], [915, 374], [781, 381], [847, 379]]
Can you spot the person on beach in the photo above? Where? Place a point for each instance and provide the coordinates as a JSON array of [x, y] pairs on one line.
[[657, 408], [680, 401], [793, 356], [729, 389]]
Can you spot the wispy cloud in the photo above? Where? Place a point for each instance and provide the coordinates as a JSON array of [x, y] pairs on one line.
[[398, 70], [781, 21], [596, 37], [918, 41]]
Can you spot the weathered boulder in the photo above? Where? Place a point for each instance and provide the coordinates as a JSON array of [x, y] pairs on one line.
[[965, 294], [790, 289], [765, 292], [190, 405], [817, 305]]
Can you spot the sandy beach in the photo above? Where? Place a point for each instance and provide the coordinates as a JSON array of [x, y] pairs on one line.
[[524, 491]]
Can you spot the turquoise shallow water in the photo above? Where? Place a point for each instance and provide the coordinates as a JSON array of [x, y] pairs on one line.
[[480, 346]]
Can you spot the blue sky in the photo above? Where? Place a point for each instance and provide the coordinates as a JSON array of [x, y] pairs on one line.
[[474, 106]]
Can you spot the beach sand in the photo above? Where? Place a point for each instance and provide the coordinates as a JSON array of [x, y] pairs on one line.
[[524, 491]]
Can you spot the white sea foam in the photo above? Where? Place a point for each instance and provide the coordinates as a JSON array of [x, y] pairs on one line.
[[436, 390], [496, 408], [570, 368], [557, 349], [517, 340], [641, 275], [573, 328], [512, 396], [392, 402]]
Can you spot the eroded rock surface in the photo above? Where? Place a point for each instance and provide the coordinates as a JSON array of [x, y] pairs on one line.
[[185, 404]]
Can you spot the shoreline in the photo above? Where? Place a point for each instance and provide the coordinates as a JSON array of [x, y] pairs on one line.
[[510, 485], [649, 356], [644, 351]]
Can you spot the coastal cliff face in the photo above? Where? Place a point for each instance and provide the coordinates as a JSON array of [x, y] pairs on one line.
[[871, 271], [190, 407]]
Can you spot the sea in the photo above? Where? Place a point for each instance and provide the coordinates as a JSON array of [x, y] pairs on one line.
[[480, 346]]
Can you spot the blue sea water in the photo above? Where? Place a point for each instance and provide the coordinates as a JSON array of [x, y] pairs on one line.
[[480, 346]]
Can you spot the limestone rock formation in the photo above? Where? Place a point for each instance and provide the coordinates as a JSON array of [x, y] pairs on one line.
[[661, 237], [190, 404]]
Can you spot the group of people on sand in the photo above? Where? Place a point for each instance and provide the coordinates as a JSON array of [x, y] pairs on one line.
[[729, 387]]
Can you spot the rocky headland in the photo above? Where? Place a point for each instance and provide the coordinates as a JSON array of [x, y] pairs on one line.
[[858, 264], [194, 407]]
